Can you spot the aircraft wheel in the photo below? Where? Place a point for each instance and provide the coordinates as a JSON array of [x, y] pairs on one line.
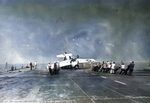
[[70, 67], [76, 67]]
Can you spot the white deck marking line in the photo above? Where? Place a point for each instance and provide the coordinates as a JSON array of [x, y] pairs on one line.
[[93, 74], [103, 77], [118, 93], [147, 84], [82, 90], [120, 82]]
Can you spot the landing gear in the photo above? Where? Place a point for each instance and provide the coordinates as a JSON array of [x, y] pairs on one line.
[[76, 67]]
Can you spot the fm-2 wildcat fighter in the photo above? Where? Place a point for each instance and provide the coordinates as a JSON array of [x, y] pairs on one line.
[[69, 62]]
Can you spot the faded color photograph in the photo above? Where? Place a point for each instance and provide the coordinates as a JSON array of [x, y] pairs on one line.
[[75, 51]]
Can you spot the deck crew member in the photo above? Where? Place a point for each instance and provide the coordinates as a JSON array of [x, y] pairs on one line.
[[113, 68], [131, 68], [122, 68], [31, 66], [35, 65]]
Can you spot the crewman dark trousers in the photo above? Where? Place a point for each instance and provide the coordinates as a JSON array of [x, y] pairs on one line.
[[50, 71], [130, 71], [30, 67], [126, 71], [122, 71]]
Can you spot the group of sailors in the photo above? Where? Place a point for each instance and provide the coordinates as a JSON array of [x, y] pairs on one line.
[[31, 65], [111, 67], [53, 68]]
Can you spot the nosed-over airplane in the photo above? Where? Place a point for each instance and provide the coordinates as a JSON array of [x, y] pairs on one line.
[[69, 62]]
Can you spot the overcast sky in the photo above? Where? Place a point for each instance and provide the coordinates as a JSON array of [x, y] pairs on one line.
[[38, 30]]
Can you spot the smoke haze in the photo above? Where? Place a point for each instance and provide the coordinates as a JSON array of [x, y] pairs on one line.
[[38, 30]]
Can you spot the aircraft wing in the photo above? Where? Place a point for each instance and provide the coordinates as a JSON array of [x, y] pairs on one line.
[[63, 55], [60, 56], [82, 60], [92, 60], [85, 60], [68, 54]]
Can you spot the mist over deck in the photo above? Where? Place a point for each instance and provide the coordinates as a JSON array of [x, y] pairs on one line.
[[38, 30], [104, 30]]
